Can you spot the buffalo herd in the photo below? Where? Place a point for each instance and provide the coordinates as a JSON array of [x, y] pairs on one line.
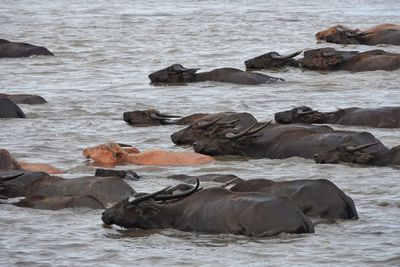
[[251, 207]]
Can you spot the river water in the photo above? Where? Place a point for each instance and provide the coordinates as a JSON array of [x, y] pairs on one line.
[[104, 52]]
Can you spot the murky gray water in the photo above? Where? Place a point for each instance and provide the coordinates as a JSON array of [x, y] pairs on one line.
[[104, 52]]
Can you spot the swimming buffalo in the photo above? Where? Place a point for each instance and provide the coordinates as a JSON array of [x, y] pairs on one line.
[[380, 34], [152, 117], [367, 154], [212, 210], [177, 74], [113, 153], [383, 117], [316, 198], [24, 99], [16, 49], [322, 143], [330, 59], [233, 121], [8, 109]]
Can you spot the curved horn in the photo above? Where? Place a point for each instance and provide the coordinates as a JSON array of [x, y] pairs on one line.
[[180, 68], [228, 122], [277, 56], [205, 124], [255, 130], [349, 34], [305, 112], [250, 130], [156, 117], [123, 145], [148, 196], [165, 115], [11, 177], [181, 195], [360, 147]]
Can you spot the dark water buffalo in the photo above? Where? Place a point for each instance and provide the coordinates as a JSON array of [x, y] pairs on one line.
[[177, 74], [330, 59], [213, 210], [272, 60], [152, 117], [212, 123], [383, 117], [8, 109], [123, 174], [316, 198], [16, 49], [56, 203], [24, 99], [367, 154], [212, 177], [380, 34], [280, 141]]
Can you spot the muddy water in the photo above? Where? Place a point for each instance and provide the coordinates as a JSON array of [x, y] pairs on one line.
[[104, 52]]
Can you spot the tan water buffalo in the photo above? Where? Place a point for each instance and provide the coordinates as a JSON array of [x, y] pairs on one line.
[[112, 153], [177, 74], [380, 34]]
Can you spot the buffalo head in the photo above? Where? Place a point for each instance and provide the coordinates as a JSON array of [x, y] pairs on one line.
[[325, 58], [340, 35], [301, 114], [175, 73], [271, 60], [109, 153], [150, 117], [228, 143], [144, 211], [346, 154], [213, 123]]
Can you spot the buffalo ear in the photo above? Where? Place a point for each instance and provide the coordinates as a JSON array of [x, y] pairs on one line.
[[149, 211]]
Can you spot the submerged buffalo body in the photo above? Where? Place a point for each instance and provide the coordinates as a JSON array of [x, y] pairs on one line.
[[330, 59], [211, 123], [213, 210], [8, 109], [24, 99], [380, 34], [316, 198], [177, 74], [383, 117], [153, 117], [16, 49], [280, 141]]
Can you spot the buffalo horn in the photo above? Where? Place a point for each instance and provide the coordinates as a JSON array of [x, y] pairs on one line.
[[148, 196], [165, 115], [357, 148], [275, 55], [180, 68], [259, 128], [205, 124], [157, 117], [303, 113], [227, 122], [181, 195], [123, 145], [7, 178], [349, 34]]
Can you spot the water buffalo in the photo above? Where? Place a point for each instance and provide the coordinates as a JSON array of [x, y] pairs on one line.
[[330, 59], [8, 109], [16, 49], [24, 99], [316, 198], [212, 210], [123, 174], [8, 162], [213, 122], [278, 141], [212, 177], [56, 203], [177, 74], [112, 153], [383, 117], [367, 154], [380, 34], [152, 117]]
